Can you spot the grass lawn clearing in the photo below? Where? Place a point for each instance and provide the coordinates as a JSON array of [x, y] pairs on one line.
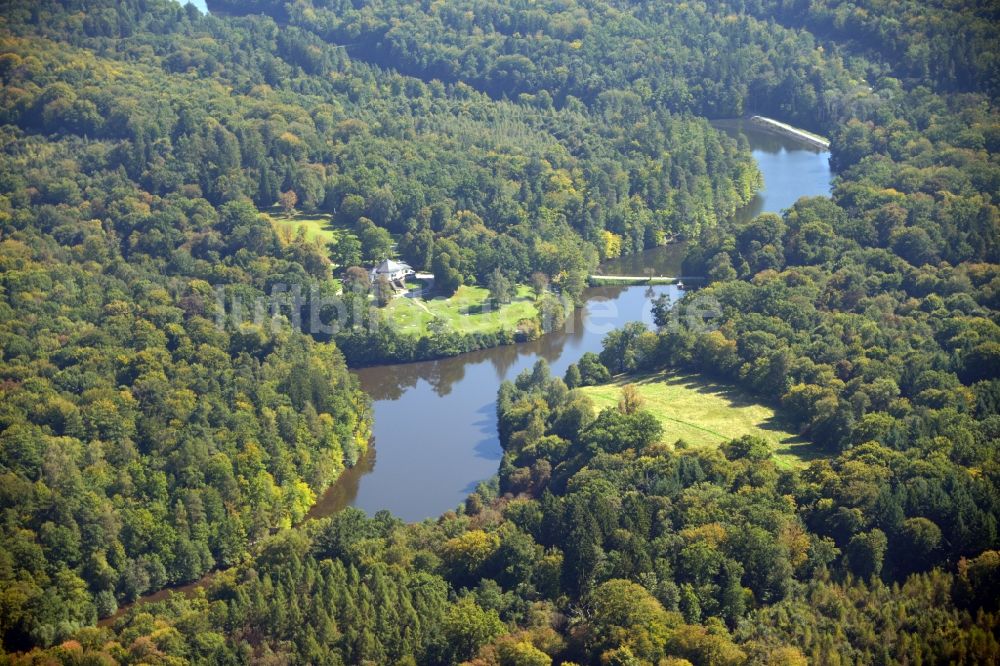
[[317, 226], [705, 413], [468, 311]]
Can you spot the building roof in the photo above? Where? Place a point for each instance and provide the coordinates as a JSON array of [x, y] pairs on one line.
[[388, 267]]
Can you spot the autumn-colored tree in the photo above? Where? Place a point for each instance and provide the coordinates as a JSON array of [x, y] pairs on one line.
[[357, 280], [631, 400], [625, 615], [287, 200]]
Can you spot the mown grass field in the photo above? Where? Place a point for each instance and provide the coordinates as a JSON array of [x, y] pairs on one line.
[[705, 413], [468, 311], [317, 226]]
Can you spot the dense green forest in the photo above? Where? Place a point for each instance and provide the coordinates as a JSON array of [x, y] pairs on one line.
[[147, 438], [944, 44], [680, 56], [599, 545], [143, 445], [459, 183]]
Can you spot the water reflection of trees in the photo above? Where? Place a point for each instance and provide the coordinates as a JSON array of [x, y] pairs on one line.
[[763, 140], [503, 358], [345, 489], [443, 374], [663, 260], [390, 382]]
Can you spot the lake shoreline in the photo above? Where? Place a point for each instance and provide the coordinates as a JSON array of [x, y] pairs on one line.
[[404, 378], [784, 129]]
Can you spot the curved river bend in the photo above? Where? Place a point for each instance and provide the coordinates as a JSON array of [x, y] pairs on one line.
[[435, 434]]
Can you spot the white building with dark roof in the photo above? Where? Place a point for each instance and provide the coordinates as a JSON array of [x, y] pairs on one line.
[[395, 271]]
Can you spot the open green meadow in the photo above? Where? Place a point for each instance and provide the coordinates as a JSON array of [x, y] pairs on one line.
[[705, 413], [317, 226], [467, 311]]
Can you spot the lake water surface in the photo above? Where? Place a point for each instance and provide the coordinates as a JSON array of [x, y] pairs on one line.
[[791, 168], [200, 4], [435, 435]]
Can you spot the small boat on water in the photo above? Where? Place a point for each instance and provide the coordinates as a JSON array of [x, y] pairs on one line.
[[680, 284]]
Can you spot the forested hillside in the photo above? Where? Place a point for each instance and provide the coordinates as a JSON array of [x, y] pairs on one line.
[[680, 56], [603, 545], [947, 45], [242, 109], [289, 111], [143, 444], [148, 437]]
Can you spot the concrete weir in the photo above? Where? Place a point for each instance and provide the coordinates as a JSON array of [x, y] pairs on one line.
[[599, 280], [788, 130]]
